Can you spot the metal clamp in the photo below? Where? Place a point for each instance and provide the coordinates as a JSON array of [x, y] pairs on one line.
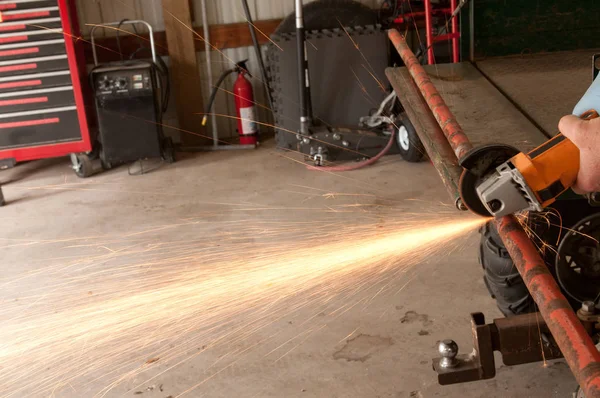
[[133, 22], [589, 315], [520, 339]]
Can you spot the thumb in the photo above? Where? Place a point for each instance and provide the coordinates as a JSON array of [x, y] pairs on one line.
[[573, 128]]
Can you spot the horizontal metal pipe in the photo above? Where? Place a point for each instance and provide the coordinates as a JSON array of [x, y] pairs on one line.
[[454, 133], [576, 345]]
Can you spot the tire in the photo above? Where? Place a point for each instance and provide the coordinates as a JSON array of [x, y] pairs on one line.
[[106, 165], [501, 277], [328, 14], [409, 144], [168, 150], [82, 165]]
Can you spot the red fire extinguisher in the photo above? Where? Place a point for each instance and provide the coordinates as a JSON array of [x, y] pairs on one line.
[[244, 104]]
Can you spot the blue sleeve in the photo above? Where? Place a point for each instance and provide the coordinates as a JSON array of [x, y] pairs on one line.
[[591, 99]]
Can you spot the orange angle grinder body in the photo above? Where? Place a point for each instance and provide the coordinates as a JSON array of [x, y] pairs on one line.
[[499, 180]]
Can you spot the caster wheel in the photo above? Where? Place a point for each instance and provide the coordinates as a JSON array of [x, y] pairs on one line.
[[82, 165], [168, 150], [410, 145], [106, 165]]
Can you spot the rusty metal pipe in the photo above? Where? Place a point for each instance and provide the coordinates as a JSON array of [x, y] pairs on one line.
[[454, 133], [429, 32], [575, 344]]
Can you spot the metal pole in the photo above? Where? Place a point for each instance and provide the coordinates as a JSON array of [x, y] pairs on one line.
[[209, 70], [455, 40], [452, 130], [303, 73], [429, 32], [575, 344]]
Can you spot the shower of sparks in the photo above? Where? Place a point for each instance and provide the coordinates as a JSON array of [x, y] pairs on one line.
[[137, 303]]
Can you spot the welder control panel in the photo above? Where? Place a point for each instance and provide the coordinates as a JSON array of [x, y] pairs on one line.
[[123, 82]]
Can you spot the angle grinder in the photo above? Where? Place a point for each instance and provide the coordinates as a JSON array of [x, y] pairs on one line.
[[499, 180]]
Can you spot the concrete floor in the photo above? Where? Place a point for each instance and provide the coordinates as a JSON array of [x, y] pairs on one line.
[[388, 355]]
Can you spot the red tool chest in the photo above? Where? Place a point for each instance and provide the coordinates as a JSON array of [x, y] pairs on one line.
[[42, 110]]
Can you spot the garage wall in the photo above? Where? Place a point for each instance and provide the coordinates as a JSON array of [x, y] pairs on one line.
[[507, 27], [219, 12]]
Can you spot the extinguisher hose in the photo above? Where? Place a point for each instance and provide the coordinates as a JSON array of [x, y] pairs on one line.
[[213, 94], [360, 165]]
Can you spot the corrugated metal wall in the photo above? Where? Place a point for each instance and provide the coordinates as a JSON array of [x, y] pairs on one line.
[[219, 12]]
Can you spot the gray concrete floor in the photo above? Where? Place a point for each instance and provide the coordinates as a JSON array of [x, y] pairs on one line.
[[52, 217]]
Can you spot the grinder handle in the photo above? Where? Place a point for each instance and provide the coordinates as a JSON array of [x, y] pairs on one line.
[[552, 168]]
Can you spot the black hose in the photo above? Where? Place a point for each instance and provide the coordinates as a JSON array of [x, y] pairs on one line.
[[261, 64], [213, 94], [119, 38]]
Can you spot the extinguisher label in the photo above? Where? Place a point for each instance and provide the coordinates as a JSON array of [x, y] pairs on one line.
[[249, 125]]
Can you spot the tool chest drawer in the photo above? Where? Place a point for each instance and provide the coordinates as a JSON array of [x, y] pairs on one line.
[[31, 49], [30, 36], [45, 26], [35, 81], [13, 5], [23, 15], [27, 100], [33, 65], [39, 127]]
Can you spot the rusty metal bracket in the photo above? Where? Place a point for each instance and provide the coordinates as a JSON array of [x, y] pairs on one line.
[[520, 339]]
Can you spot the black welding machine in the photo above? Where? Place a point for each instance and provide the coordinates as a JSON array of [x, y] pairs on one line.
[[131, 96]]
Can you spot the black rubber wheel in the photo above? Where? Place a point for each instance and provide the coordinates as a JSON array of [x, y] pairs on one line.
[[106, 165], [501, 277], [577, 264], [168, 150], [328, 14], [409, 144], [82, 165], [500, 274]]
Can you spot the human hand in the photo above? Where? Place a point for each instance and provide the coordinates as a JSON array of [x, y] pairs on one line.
[[585, 134]]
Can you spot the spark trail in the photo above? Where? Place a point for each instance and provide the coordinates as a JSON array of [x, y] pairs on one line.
[[105, 325]]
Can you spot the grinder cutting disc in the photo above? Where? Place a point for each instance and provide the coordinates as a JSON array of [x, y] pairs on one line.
[[478, 164]]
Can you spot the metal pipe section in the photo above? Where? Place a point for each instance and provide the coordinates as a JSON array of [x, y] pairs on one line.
[[303, 73], [429, 32], [436, 145], [576, 345], [452, 130], [209, 70], [455, 40]]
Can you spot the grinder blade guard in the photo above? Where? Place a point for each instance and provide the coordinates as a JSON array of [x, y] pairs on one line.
[[480, 164]]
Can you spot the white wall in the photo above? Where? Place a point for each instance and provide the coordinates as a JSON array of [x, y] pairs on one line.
[[219, 12]]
